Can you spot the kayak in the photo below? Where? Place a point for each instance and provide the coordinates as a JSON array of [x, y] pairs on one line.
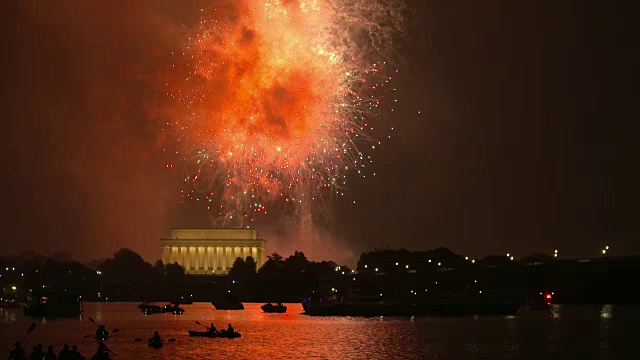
[[214, 335], [154, 344]]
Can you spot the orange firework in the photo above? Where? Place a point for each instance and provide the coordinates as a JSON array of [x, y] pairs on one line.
[[277, 97]]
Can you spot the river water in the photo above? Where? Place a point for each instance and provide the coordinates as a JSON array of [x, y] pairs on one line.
[[564, 332]]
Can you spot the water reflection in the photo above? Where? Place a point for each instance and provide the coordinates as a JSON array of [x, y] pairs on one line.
[[9, 315], [606, 314], [563, 332]]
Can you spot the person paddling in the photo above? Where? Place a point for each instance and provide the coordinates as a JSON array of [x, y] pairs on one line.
[[17, 353], [212, 329], [156, 338], [230, 330], [101, 333]]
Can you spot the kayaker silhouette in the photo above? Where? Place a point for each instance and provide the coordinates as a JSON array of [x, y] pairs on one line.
[[212, 329], [156, 337]]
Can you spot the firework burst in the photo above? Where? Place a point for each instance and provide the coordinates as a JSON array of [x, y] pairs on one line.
[[277, 100]]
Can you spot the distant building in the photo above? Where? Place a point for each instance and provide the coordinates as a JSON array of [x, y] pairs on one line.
[[211, 251]]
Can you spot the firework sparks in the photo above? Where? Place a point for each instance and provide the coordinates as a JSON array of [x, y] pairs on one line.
[[277, 100]]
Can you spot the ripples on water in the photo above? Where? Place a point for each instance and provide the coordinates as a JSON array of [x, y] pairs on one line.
[[585, 332]]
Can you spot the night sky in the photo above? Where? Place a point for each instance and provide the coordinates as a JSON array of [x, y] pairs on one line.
[[515, 132]]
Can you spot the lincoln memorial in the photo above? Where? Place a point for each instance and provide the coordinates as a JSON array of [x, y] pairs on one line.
[[211, 251]]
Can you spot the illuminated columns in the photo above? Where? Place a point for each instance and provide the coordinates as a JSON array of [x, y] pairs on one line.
[[165, 254], [205, 258], [184, 254], [185, 257], [194, 258]]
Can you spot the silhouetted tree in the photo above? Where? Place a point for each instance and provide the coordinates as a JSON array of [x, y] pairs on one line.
[[175, 276], [159, 267], [129, 276], [250, 265], [237, 269]]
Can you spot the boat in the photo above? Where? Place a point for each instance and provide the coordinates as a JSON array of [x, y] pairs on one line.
[[154, 344], [382, 308], [174, 309], [270, 308], [145, 305], [227, 305], [152, 309], [53, 302], [209, 334]]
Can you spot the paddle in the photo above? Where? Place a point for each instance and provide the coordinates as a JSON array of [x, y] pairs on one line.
[[31, 327], [106, 348], [198, 322]]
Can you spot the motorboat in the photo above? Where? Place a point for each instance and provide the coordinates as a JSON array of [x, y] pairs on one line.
[[270, 308]]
